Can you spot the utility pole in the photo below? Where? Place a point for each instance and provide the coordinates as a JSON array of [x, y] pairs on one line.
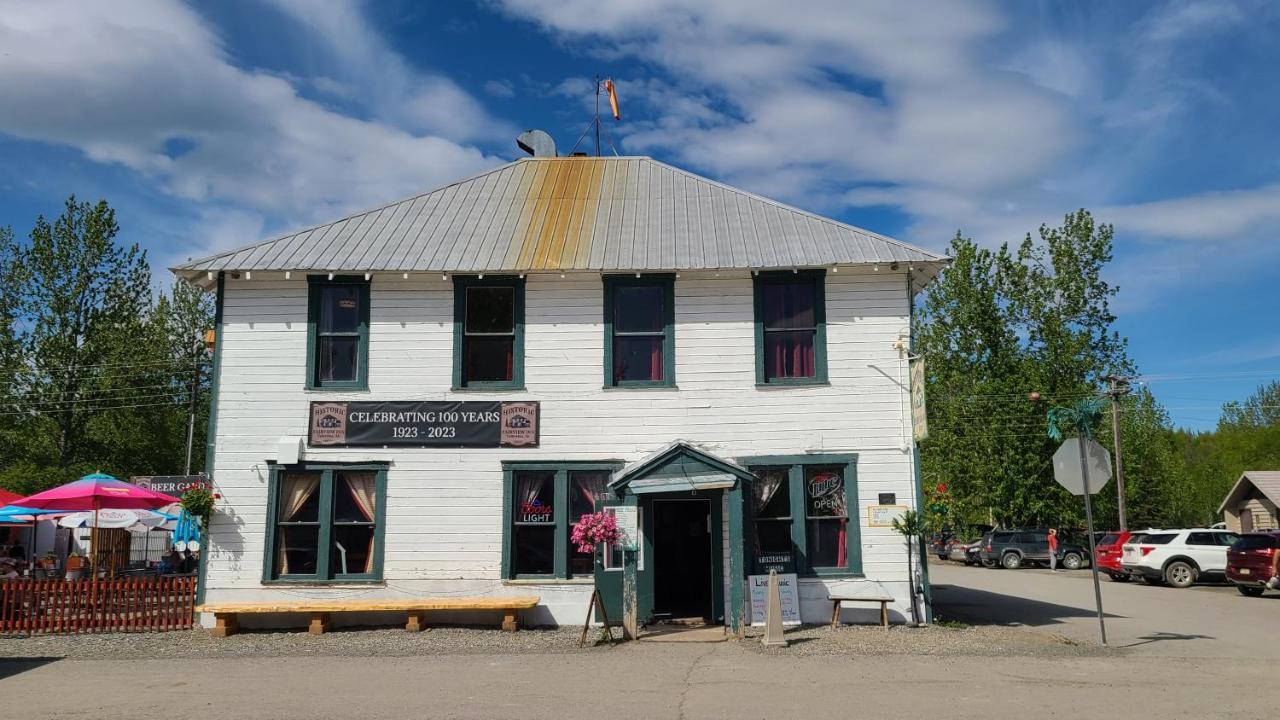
[[597, 120], [1118, 386], [191, 409]]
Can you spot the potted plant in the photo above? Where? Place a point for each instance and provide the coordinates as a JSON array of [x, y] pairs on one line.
[[47, 561], [912, 526]]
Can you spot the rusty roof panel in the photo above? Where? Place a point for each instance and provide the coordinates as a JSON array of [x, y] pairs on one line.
[[577, 213]]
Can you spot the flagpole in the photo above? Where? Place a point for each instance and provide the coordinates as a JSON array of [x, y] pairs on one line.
[[597, 120]]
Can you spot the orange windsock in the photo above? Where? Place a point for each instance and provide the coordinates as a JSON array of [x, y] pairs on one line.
[[613, 98]]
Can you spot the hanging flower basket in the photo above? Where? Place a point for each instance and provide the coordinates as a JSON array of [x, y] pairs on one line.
[[594, 530]]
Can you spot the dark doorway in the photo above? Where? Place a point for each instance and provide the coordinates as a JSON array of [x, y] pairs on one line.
[[682, 563]]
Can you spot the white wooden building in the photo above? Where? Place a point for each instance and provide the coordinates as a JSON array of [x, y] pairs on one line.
[[618, 332]]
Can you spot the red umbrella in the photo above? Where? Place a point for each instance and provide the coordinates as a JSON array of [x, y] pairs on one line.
[[96, 492], [7, 498]]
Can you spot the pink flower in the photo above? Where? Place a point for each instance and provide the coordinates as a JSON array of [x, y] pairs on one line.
[[593, 530]]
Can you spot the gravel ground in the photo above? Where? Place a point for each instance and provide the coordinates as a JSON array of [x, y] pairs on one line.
[[386, 642]]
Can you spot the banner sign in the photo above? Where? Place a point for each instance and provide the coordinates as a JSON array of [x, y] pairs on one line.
[[424, 423], [173, 485], [919, 416], [788, 592]]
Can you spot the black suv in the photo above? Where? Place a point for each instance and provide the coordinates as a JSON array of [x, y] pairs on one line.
[[1012, 549]]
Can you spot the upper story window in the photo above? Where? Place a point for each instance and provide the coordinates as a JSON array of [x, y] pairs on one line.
[[488, 333], [639, 322], [338, 333], [791, 334]]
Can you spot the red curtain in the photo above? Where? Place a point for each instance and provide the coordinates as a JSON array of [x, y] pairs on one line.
[[790, 354], [842, 554]]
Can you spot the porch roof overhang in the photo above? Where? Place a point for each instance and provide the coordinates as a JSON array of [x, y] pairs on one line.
[[678, 467]]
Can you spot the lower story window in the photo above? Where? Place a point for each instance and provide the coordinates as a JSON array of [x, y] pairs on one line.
[[544, 501], [800, 507], [326, 522]]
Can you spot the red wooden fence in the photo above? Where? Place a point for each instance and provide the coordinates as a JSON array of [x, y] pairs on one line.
[[30, 606]]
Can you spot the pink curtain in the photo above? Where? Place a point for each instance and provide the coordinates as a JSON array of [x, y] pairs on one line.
[[655, 360]]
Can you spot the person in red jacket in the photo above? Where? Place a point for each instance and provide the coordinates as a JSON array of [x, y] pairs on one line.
[[1053, 549]]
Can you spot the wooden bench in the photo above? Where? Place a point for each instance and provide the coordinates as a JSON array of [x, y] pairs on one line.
[[837, 599], [226, 615]]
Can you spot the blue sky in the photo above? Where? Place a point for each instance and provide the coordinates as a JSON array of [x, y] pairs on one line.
[[210, 126]]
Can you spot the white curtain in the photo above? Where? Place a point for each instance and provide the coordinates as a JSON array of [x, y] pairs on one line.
[[295, 490], [592, 485], [363, 487], [766, 484], [527, 489]]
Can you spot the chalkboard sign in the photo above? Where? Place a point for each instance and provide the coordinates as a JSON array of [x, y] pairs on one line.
[[788, 592], [424, 424]]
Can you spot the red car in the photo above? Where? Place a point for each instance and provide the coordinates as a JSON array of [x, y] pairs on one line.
[[1249, 561], [1107, 554]]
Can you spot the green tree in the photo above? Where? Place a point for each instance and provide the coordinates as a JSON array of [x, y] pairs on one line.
[[1260, 410], [1005, 334], [96, 370]]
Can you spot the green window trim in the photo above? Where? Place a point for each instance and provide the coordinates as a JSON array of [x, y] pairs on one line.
[[326, 523], [315, 286], [795, 465], [560, 511], [460, 285], [667, 282], [818, 278]]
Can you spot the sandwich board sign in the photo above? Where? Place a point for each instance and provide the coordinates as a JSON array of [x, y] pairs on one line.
[[788, 591], [1066, 466]]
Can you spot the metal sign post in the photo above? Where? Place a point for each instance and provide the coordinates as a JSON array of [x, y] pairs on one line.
[[1093, 564], [1076, 475]]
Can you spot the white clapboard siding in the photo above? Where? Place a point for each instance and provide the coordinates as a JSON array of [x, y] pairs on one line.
[[444, 507]]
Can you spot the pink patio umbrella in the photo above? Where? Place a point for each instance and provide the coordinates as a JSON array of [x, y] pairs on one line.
[[95, 492]]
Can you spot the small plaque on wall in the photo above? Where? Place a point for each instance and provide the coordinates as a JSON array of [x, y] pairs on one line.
[[884, 515], [888, 498]]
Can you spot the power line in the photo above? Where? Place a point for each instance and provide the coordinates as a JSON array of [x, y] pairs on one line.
[[113, 407]]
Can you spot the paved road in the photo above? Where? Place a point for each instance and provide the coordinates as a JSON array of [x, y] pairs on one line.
[[1200, 653], [720, 680], [1202, 621]]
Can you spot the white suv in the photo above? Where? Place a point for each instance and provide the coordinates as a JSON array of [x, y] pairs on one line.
[[1177, 557]]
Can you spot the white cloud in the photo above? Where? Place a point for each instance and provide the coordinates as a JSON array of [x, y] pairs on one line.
[[417, 100], [120, 80], [778, 76], [942, 110], [500, 88]]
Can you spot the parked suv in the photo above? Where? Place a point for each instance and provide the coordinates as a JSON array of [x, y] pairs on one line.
[[1178, 557], [1249, 561], [1108, 551], [1012, 549]]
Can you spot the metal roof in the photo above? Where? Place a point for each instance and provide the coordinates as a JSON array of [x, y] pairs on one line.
[[1267, 482], [574, 213]]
